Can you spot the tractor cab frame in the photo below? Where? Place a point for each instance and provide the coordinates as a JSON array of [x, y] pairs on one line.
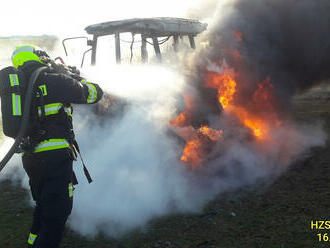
[[150, 30]]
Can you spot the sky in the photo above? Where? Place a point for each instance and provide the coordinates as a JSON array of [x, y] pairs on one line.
[[37, 17]]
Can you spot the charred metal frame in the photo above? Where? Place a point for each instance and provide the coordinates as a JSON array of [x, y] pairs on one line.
[[94, 47], [148, 28]]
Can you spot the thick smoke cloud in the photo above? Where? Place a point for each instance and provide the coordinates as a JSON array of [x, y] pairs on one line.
[[287, 41], [134, 161]]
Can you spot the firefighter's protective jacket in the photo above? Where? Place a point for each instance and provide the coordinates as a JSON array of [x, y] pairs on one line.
[[53, 107]]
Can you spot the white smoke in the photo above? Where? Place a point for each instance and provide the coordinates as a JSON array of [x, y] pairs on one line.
[[133, 161], [14, 170]]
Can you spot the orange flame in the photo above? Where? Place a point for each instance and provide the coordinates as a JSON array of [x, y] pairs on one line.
[[258, 126], [196, 148], [258, 115], [264, 102], [212, 134], [263, 99], [180, 120], [192, 153], [225, 84]]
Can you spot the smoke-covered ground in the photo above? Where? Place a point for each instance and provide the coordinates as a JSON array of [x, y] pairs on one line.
[[133, 159]]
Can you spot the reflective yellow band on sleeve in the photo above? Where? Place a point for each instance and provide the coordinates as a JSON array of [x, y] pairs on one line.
[[16, 102], [92, 92], [53, 109], [50, 109], [51, 144], [32, 238]]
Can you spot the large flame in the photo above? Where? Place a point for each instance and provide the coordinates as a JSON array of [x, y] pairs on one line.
[[225, 84], [257, 114], [259, 127]]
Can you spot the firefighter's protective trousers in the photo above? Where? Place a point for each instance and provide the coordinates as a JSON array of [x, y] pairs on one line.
[[50, 175]]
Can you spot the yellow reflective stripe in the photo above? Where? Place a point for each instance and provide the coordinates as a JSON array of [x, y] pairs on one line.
[[13, 80], [92, 92], [51, 144], [16, 99], [32, 238], [70, 190], [53, 109], [50, 109], [16, 102]]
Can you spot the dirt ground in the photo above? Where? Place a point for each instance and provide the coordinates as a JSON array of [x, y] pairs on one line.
[[279, 216]]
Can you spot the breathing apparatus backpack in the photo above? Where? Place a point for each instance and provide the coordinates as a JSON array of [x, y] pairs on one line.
[[19, 118], [12, 92], [16, 93]]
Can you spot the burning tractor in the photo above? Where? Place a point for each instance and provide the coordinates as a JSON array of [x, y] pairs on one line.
[[218, 89], [153, 32]]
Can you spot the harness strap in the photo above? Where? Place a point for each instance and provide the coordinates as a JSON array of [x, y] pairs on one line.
[[76, 151]]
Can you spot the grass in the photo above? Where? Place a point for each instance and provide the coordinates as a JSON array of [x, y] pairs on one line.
[[278, 216]]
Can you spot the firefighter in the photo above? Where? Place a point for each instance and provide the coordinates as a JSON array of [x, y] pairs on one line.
[[49, 148]]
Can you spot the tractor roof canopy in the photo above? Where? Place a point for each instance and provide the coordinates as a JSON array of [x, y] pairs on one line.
[[149, 27]]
